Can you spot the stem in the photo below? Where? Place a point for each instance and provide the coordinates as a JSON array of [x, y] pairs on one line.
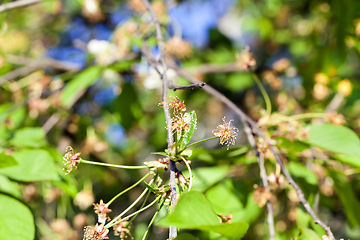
[[142, 205], [189, 168], [204, 140], [111, 165], [137, 212], [150, 223], [128, 189], [110, 224], [307, 115], [263, 92]]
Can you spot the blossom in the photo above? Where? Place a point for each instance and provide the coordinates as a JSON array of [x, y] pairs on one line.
[[95, 233], [244, 59], [335, 118], [261, 196], [101, 209], [178, 47], [176, 104], [181, 123], [70, 159], [122, 229], [226, 133]]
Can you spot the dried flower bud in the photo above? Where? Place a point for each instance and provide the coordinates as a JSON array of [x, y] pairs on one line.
[[261, 196], [101, 209], [245, 59], [335, 118], [281, 64], [320, 92], [70, 159], [178, 47], [95, 233], [226, 133], [84, 199], [122, 229]]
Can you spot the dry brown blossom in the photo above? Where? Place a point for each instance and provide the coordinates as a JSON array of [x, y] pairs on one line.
[[70, 159], [261, 196], [335, 118], [95, 233], [101, 209], [245, 59], [178, 47], [226, 133], [122, 229], [181, 123]]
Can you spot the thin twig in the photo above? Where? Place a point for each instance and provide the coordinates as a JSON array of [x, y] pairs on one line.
[[17, 4], [191, 86], [161, 45], [36, 65], [246, 119], [260, 157]]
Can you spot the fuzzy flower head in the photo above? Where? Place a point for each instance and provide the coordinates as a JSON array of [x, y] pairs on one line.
[[181, 123], [122, 229], [70, 159], [245, 59], [95, 233], [226, 133], [175, 104], [101, 209]]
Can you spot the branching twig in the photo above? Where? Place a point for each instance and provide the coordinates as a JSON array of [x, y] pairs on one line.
[[17, 4], [191, 86], [260, 157], [246, 119], [161, 45]]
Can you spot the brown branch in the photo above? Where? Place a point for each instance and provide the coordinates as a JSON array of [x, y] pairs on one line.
[[260, 157], [246, 119], [161, 45], [17, 4], [35, 65], [191, 86]]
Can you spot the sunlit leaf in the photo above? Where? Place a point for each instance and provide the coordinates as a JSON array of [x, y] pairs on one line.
[[188, 135], [16, 220], [308, 234], [29, 137], [6, 160], [33, 165]]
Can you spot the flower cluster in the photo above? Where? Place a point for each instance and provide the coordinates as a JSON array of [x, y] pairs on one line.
[[245, 59], [95, 233], [122, 229], [261, 195], [226, 133], [101, 209], [70, 159]]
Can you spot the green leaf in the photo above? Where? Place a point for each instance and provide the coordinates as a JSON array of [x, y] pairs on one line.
[[226, 200], [239, 81], [205, 177], [9, 187], [33, 165], [33, 137], [16, 220], [308, 234], [6, 160], [301, 171], [337, 139], [353, 161], [81, 81], [185, 236], [347, 196], [295, 146], [194, 211], [187, 136]]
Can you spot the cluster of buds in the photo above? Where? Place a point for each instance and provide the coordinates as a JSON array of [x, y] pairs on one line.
[[181, 180], [178, 47], [264, 144], [70, 159], [335, 118], [95, 233], [245, 59], [292, 132], [158, 165], [101, 209], [226, 132], [276, 180], [261, 195], [122, 229]]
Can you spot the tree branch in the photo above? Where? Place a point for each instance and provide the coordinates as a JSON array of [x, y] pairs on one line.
[[260, 157], [161, 45], [191, 86], [247, 120], [17, 4]]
